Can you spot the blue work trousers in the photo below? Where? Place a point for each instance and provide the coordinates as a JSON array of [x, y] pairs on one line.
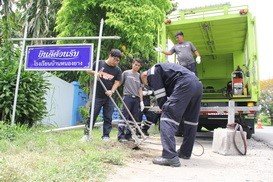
[[108, 108], [133, 104], [184, 102]]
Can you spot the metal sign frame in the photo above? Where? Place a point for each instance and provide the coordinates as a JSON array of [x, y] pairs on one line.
[[91, 57], [24, 39]]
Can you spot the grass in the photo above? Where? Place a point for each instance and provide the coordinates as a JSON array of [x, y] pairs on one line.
[[32, 155]]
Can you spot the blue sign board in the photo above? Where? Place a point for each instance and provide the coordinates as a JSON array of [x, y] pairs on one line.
[[59, 57]]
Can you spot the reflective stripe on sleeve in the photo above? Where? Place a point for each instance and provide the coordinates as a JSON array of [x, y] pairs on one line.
[[121, 124], [170, 120], [191, 123], [161, 90], [160, 95]]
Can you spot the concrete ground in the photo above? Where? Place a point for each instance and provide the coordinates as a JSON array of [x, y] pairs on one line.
[[257, 165], [264, 135]]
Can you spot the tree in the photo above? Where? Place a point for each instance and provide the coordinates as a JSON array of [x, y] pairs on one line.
[[31, 102], [266, 98], [136, 22], [40, 15]]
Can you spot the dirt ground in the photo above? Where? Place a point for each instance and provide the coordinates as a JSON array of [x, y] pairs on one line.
[[257, 165]]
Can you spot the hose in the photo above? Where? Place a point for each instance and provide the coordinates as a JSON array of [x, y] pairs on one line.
[[238, 126]]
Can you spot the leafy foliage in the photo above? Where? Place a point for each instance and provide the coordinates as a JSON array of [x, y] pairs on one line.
[[265, 119], [30, 101], [40, 16], [7, 20], [136, 22], [266, 98], [10, 133], [266, 101]]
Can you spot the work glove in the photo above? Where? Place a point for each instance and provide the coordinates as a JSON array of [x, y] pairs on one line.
[[147, 92], [198, 59], [144, 92], [142, 106], [158, 49], [150, 92]]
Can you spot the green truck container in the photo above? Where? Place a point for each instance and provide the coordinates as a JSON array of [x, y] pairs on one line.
[[225, 38]]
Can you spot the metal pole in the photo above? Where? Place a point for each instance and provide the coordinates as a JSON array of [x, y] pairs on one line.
[[19, 75], [137, 141], [231, 112], [65, 38], [95, 79], [71, 128], [158, 53], [132, 117]]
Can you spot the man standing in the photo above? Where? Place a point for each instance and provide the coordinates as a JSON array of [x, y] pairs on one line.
[[178, 92], [110, 75], [183, 50], [132, 97]]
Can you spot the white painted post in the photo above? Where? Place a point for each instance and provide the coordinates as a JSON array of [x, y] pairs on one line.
[[95, 80], [65, 38], [231, 112], [224, 139], [158, 53], [19, 75]]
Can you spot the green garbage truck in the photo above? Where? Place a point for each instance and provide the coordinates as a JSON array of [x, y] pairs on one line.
[[226, 40]]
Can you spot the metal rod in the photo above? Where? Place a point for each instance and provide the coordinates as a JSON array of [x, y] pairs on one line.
[[238, 109], [95, 80], [158, 44], [139, 129], [137, 141], [71, 128], [65, 128], [65, 38], [19, 75]]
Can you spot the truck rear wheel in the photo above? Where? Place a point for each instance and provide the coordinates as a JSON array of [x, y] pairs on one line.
[[247, 124]]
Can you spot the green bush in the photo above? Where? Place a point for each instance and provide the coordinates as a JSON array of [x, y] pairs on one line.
[[265, 119], [8, 132], [31, 101], [84, 111]]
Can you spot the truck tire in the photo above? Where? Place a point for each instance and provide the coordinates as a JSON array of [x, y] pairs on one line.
[[248, 132], [248, 126], [248, 135]]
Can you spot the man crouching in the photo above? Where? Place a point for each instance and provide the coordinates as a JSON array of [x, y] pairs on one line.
[[178, 93]]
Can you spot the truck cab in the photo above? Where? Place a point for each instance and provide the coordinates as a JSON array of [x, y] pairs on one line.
[[226, 40]]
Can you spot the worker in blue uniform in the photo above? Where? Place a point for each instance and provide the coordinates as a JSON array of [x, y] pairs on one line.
[[178, 93]]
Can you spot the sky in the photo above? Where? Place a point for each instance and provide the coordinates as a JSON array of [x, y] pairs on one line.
[[261, 10]]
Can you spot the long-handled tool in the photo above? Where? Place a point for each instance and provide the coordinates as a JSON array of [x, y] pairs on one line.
[[134, 136], [134, 121]]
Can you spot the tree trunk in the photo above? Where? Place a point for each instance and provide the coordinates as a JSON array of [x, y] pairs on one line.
[[271, 117]]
